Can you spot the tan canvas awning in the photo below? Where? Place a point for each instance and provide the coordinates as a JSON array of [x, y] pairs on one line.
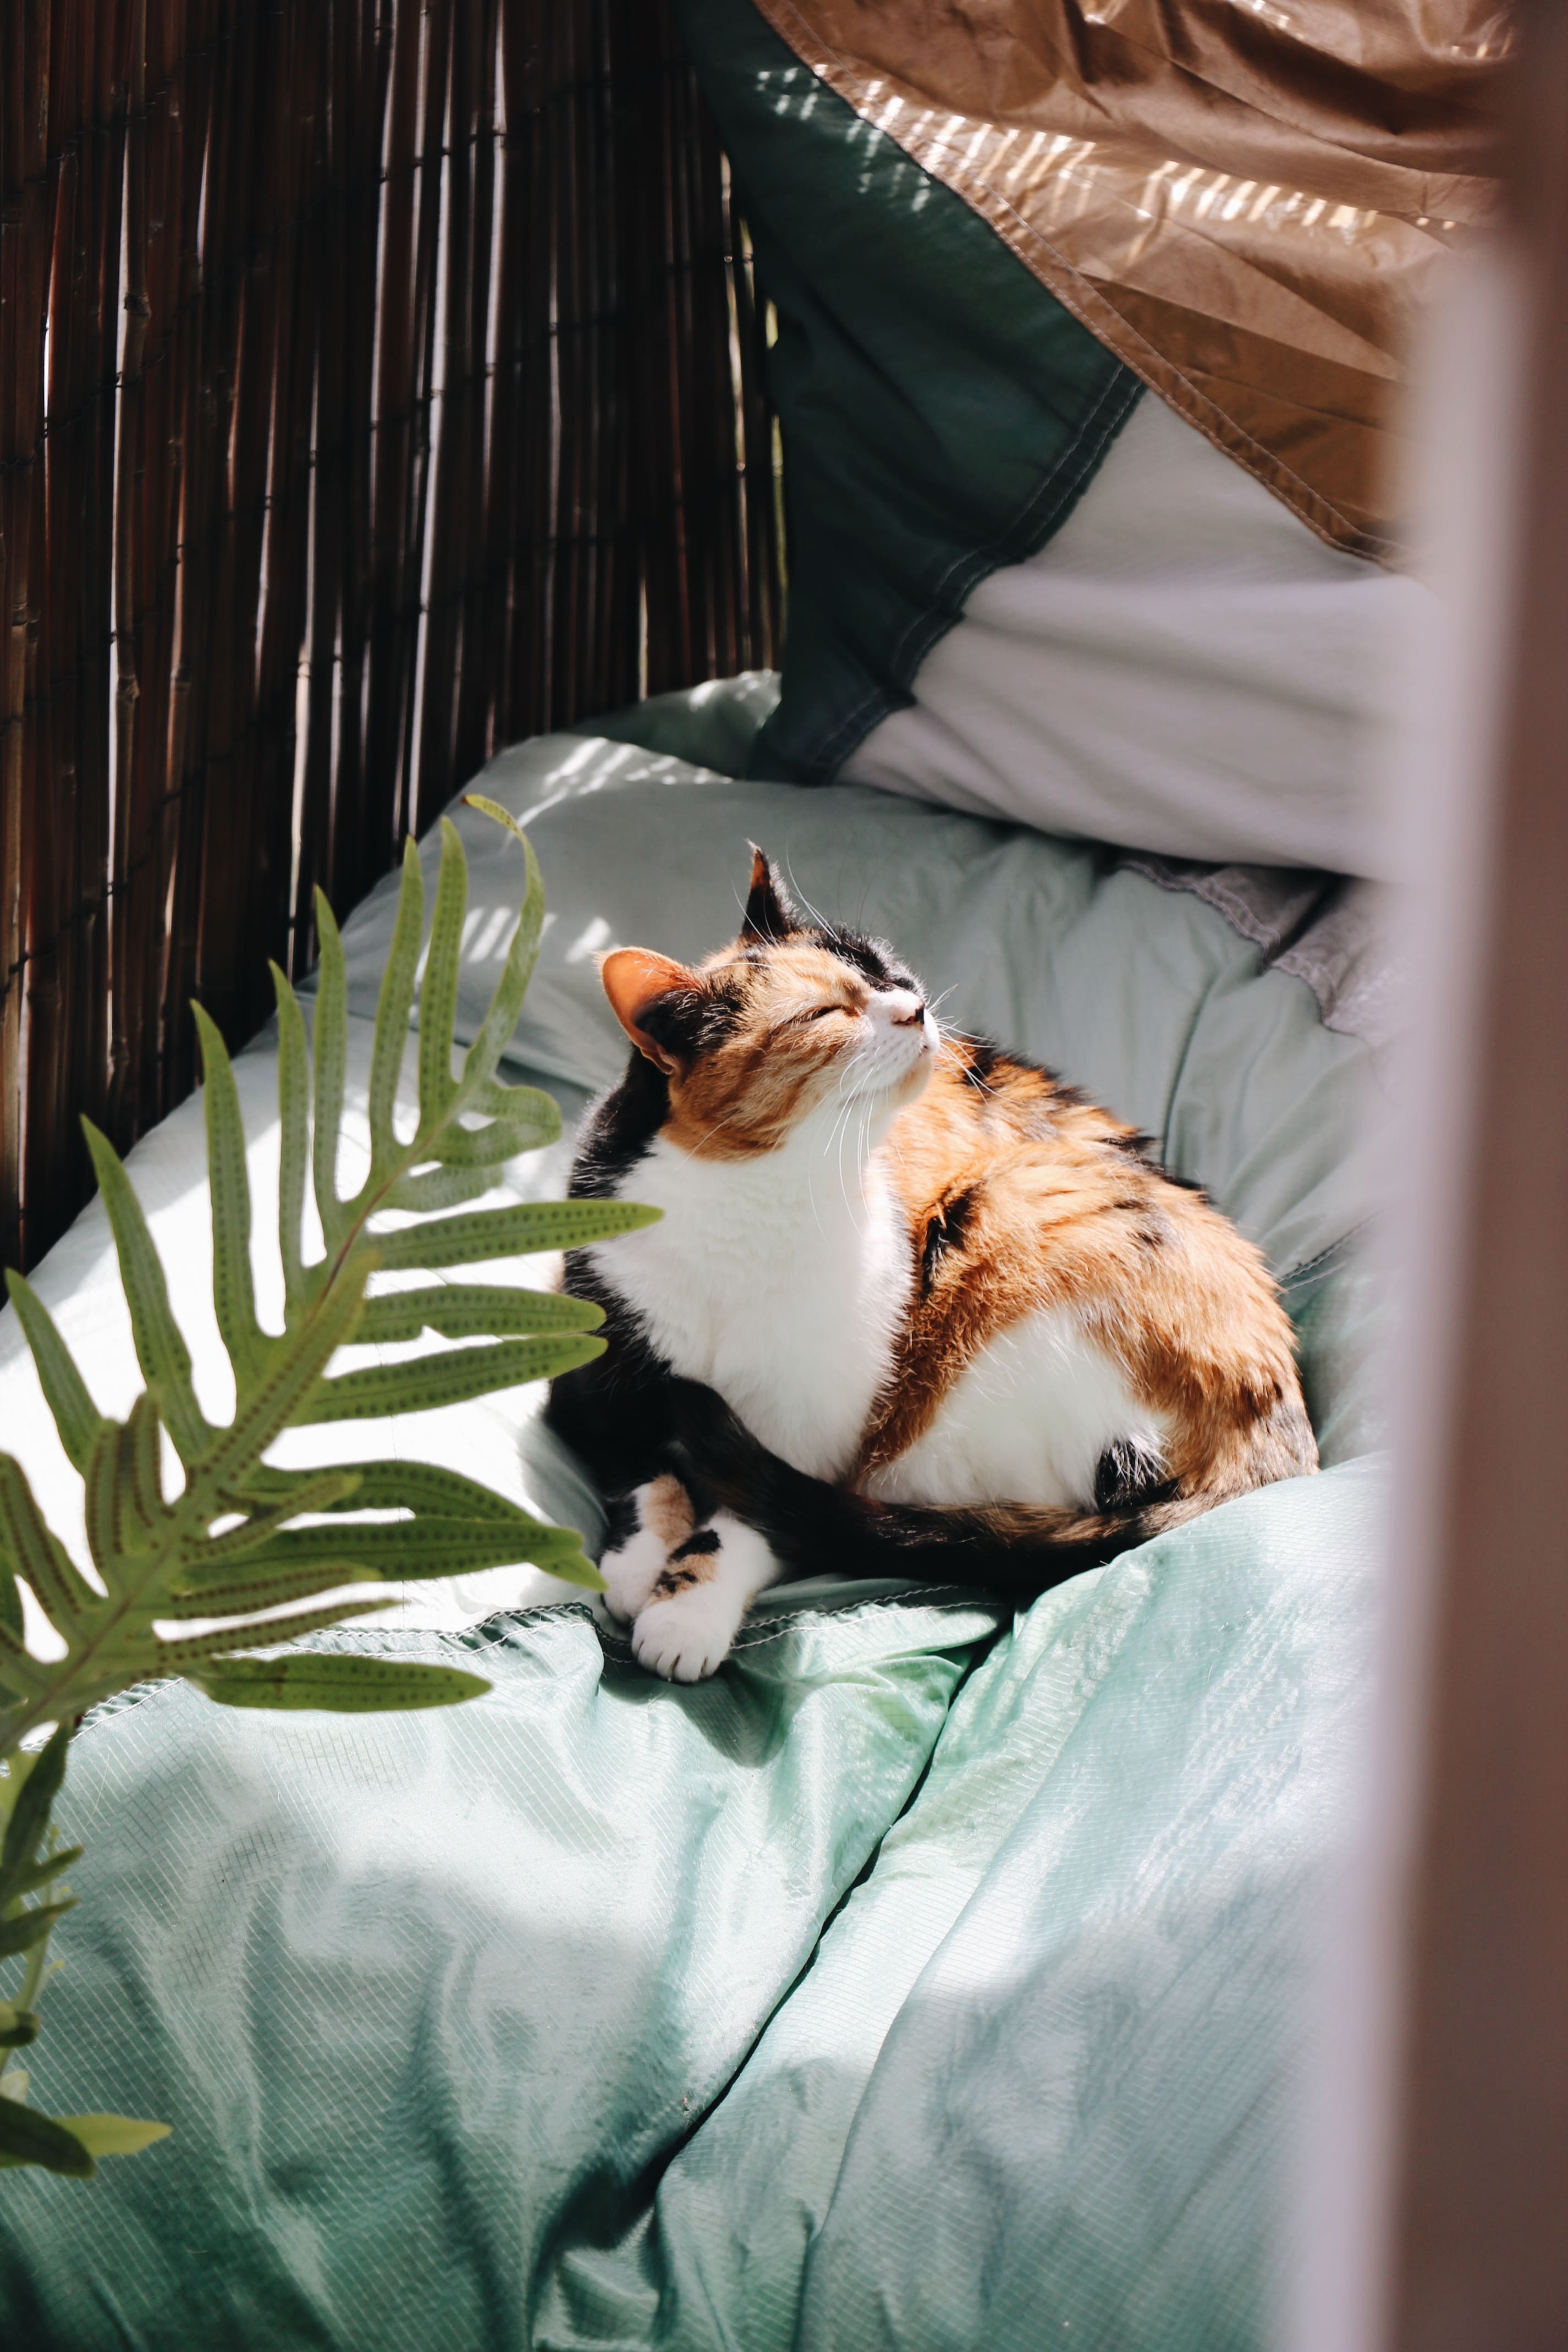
[[1243, 199]]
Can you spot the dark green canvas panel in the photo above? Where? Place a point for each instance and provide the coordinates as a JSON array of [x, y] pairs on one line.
[[941, 412]]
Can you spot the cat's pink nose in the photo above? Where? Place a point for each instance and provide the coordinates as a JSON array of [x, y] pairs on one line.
[[908, 1010]]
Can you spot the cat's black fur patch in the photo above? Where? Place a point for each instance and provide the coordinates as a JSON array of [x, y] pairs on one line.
[[770, 910], [945, 1232], [705, 1540], [1126, 1479], [615, 1411], [672, 1581], [618, 1129], [873, 959], [983, 1059], [690, 1022], [622, 1521]]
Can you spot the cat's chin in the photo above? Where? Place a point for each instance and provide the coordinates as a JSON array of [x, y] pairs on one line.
[[894, 1091], [913, 1084]]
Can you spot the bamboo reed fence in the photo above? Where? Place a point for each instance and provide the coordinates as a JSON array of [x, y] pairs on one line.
[[378, 383]]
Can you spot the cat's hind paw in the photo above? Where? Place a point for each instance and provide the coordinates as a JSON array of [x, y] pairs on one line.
[[656, 1516]]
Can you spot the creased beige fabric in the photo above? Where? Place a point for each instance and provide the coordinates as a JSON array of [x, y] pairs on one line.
[[1244, 199]]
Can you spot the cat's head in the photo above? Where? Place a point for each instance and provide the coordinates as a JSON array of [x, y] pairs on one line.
[[793, 1020]]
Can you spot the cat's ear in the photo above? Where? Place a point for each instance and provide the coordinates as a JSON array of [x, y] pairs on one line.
[[645, 991], [770, 913]]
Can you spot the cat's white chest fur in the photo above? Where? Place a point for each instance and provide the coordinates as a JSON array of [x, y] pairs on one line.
[[781, 1281]]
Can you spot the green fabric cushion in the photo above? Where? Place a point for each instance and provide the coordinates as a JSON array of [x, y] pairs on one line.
[[942, 411], [1038, 2085], [490, 2028]]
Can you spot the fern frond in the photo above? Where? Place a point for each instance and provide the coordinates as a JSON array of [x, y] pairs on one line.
[[230, 1545], [244, 1540]]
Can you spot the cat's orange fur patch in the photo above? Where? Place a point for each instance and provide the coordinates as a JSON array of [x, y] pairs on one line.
[[1051, 1203], [667, 1511]]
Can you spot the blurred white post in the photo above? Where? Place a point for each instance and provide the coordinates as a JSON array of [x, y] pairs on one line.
[[1437, 2216]]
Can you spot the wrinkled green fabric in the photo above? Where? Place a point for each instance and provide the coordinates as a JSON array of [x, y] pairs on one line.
[[1040, 2074], [427, 1998], [488, 2029]]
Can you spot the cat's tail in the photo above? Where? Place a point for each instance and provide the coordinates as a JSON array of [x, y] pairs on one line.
[[1016, 1550]]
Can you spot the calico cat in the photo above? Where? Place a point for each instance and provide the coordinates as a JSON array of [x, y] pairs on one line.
[[915, 1306]]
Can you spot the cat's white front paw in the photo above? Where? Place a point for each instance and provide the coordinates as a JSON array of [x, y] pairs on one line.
[[631, 1573], [698, 1603], [688, 1636]]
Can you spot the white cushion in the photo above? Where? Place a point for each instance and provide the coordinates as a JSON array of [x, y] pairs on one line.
[[1184, 667]]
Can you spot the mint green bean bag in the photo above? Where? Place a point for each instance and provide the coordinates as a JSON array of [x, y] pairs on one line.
[[928, 1979]]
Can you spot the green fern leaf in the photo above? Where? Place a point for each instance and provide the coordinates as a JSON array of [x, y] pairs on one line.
[[32, 1927], [529, 1103], [283, 1394], [31, 1785], [520, 1231], [25, 1676], [228, 1183], [422, 1486], [37, 1551], [437, 1188], [249, 1594], [305, 1490], [36, 1875], [228, 1556], [438, 996], [339, 1682], [112, 2134], [399, 1550], [99, 1500], [180, 1657], [294, 1143], [28, 2137], [330, 1054], [65, 1392], [465, 1310], [486, 1147], [395, 1003], [452, 1377], [160, 1349], [142, 1464], [494, 1034]]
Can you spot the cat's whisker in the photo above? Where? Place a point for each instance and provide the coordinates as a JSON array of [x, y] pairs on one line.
[[818, 917]]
